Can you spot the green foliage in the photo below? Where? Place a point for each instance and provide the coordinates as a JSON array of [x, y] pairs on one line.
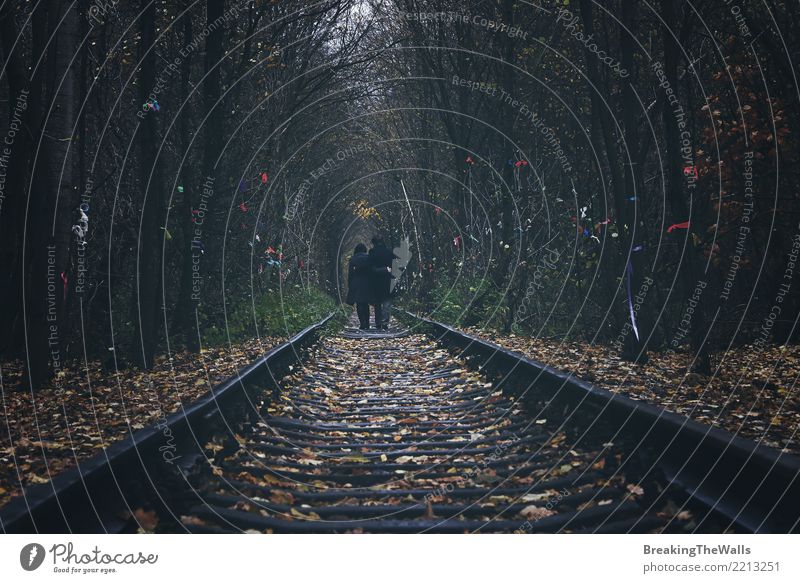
[[464, 302], [271, 314]]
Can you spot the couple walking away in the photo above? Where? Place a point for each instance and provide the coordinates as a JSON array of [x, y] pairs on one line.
[[369, 278]]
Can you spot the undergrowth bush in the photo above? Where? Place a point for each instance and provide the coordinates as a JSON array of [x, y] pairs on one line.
[[271, 314], [465, 302]]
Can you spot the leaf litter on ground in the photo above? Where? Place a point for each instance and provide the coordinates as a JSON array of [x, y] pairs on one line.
[[756, 398], [86, 409]]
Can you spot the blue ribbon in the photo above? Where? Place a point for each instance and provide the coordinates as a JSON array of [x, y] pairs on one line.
[[630, 299]]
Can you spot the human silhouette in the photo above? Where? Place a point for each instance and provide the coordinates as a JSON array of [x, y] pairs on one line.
[[381, 258], [360, 284]]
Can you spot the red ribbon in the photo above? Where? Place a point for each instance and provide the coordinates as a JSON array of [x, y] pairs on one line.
[[264, 177], [243, 207], [64, 279], [684, 225]]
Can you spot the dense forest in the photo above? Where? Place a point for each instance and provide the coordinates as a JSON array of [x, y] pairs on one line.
[[183, 173]]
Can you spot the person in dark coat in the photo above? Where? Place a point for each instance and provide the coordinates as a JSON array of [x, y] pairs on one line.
[[382, 259], [359, 284]]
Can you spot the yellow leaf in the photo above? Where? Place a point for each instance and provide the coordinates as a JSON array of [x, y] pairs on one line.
[[535, 512], [34, 479], [310, 516]]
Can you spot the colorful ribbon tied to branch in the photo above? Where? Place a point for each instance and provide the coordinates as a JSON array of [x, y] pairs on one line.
[[264, 177], [457, 241], [629, 277], [684, 225], [64, 279], [82, 228], [599, 226]]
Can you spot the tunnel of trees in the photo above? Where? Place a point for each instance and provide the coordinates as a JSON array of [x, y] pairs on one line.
[[185, 173]]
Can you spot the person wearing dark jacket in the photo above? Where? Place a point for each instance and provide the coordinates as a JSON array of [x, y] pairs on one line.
[[382, 259], [359, 284]]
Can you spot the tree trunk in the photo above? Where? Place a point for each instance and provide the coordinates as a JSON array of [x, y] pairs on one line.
[[185, 308], [510, 242], [675, 179], [213, 140], [147, 310], [635, 348], [24, 111], [618, 179], [51, 201]]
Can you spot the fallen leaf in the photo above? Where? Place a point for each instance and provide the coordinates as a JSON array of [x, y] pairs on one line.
[[535, 512], [146, 519], [635, 490]]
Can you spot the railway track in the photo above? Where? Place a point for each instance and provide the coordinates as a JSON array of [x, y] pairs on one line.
[[414, 432], [398, 435]]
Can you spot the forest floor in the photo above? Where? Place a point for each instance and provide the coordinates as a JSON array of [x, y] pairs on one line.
[[753, 397], [87, 409]]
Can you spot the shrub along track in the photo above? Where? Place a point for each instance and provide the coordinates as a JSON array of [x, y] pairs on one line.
[[397, 435]]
